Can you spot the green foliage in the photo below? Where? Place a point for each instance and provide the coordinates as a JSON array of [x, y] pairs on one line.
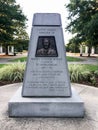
[[96, 73], [91, 68], [72, 47], [83, 17], [21, 45], [83, 73], [12, 72], [22, 59], [73, 59], [2, 65], [78, 73], [75, 73], [12, 22]]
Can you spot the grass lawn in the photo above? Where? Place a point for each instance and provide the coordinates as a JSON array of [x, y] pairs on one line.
[[87, 67], [22, 59], [90, 67], [2, 65], [69, 59], [73, 59], [17, 70]]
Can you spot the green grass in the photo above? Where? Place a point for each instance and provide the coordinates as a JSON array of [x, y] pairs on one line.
[[2, 65], [12, 72], [86, 67], [73, 59], [78, 73], [90, 67], [69, 59], [84, 73], [22, 59]]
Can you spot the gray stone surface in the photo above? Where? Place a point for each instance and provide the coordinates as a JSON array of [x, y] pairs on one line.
[[46, 19], [89, 122], [46, 107], [43, 71], [46, 75]]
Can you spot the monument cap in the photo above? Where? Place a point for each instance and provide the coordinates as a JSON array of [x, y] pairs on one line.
[[46, 19]]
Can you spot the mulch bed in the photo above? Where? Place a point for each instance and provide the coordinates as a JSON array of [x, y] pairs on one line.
[[89, 83], [2, 83]]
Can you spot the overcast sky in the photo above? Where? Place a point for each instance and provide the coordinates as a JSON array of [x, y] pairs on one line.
[[30, 7]]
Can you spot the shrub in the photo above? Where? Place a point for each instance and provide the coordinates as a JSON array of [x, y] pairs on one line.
[[79, 73], [75, 73], [12, 72], [86, 74], [96, 73]]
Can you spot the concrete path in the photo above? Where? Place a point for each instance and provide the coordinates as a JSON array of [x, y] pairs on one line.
[[7, 59], [89, 122], [86, 60]]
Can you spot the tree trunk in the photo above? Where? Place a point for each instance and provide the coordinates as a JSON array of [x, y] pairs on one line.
[[6, 50], [89, 54], [80, 54], [81, 51], [89, 51]]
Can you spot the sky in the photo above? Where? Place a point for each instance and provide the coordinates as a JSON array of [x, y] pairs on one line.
[[30, 7]]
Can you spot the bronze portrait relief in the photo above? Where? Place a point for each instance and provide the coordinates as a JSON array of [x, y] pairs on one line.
[[46, 47]]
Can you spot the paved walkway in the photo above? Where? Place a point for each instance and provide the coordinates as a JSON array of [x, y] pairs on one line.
[[86, 60], [6, 59], [89, 122]]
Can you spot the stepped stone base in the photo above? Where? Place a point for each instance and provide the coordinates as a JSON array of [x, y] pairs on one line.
[[46, 107]]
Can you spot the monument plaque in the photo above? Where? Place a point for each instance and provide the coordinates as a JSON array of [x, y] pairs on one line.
[[46, 90], [46, 47]]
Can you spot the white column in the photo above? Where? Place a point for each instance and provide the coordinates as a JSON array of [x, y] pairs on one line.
[[1, 49], [81, 49], [93, 50], [12, 49], [86, 49]]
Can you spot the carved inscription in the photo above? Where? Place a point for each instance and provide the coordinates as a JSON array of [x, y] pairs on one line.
[[49, 31], [46, 74]]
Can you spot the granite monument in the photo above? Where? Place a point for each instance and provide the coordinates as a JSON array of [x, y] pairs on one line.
[[46, 90]]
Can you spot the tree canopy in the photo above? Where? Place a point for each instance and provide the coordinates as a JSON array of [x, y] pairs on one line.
[[12, 22], [83, 17]]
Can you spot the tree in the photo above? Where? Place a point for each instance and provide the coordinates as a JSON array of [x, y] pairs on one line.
[[83, 16], [72, 46], [21, 40], [11, 19]]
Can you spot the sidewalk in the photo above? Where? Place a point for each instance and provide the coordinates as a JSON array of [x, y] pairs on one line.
[[6, 59], [87, 60], [89, 122]]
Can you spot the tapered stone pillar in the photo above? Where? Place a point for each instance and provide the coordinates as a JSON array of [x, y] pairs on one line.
[[46, 90]]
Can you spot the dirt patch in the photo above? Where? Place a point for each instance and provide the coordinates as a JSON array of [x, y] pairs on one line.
[[2, 83], [95, 83]]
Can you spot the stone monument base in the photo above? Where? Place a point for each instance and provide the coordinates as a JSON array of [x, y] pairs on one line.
[[46, 107]]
